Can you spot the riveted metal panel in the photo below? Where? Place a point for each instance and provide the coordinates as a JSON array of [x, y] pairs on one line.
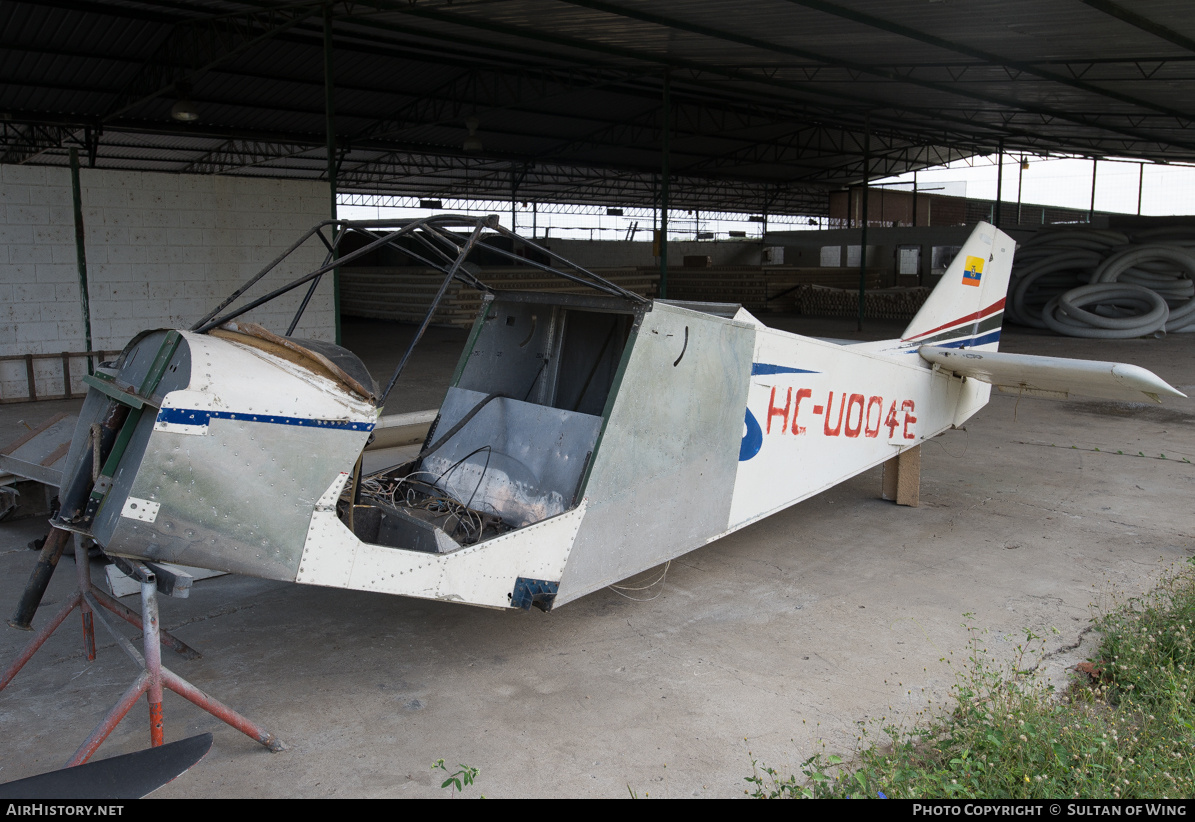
[[236, 461], [481, 574], [134, 364], [665, 463], [237, 500], [130, 368], [532, 460], [515, 344], [819, 413]]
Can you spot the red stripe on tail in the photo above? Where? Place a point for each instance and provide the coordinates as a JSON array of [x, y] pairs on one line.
[[978, 315]]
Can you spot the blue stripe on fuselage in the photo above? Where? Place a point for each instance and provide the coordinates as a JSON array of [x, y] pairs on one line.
[[752, 440], [193, 416], [968, 342], [761, 368]]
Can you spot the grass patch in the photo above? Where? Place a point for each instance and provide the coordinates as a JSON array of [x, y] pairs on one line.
[[1130, 734]]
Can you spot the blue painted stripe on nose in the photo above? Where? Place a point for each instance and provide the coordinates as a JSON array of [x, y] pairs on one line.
[[193, 416]]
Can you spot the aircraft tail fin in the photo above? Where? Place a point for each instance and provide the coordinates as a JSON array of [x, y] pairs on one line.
[[966, 308]]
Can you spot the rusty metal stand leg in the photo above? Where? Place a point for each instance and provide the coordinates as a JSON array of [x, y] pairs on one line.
[[85, 599], [109, 722], [153, 659], [51, 551], [35, 588], [221, 711], [153, 677], [83, 575], [83, 569], [39, 639], [151, 680], [130, 616]]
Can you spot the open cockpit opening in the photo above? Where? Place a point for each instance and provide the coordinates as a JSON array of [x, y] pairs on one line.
[[522, 418], [517, 429]]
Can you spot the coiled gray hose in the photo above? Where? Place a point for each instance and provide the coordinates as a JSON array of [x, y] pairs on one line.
[[1102, 284], [1064, 313], [1122, 267]]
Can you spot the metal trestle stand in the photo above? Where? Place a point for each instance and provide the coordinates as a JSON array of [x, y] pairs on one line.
[[91, 602]]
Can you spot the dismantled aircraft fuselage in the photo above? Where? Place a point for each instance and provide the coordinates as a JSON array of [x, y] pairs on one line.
[[584, 438]]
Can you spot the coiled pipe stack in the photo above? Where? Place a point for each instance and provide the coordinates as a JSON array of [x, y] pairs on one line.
[[1085, 282]]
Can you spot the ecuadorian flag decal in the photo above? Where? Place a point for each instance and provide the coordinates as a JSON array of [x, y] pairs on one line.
[[973, 271]]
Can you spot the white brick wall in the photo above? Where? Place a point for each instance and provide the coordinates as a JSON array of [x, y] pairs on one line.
[[162, 250]]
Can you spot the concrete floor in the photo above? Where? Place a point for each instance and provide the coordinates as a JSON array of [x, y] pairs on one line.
[[796, 632]]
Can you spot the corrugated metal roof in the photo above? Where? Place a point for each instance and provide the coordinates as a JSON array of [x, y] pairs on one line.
[[769, 98]]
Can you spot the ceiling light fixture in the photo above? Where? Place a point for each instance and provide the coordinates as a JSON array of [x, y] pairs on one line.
[[472, 142], [184, 110]]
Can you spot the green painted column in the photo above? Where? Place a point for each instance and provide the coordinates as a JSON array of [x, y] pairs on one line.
[[863, 219], [999, 183], [330, 128], [667, 127], [81, 254]]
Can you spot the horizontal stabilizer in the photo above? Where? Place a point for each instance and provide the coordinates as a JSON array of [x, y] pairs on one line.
[[1052, 376]]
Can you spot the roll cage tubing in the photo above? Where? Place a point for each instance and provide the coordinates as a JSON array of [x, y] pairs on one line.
[[443, 250]]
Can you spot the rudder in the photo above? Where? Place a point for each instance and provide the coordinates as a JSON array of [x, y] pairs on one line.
[[966, 308]]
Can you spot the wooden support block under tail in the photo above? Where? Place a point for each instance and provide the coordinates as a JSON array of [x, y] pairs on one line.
[[902, 478]]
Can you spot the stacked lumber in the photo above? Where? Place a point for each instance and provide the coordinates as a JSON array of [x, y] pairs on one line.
[[744, 285], [756, 288], [881, 304], [403, 294]]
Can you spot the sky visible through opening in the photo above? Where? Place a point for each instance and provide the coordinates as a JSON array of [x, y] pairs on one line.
[[1122, 186]]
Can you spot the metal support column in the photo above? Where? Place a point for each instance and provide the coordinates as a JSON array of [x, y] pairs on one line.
[[330, 130], [91, 139], [1020, 179], [863, 219], [1091, 209], [81, 255], [914, 199], [517, 176], [664, 191], [999, 182], [655, 215], [1140, 186]]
